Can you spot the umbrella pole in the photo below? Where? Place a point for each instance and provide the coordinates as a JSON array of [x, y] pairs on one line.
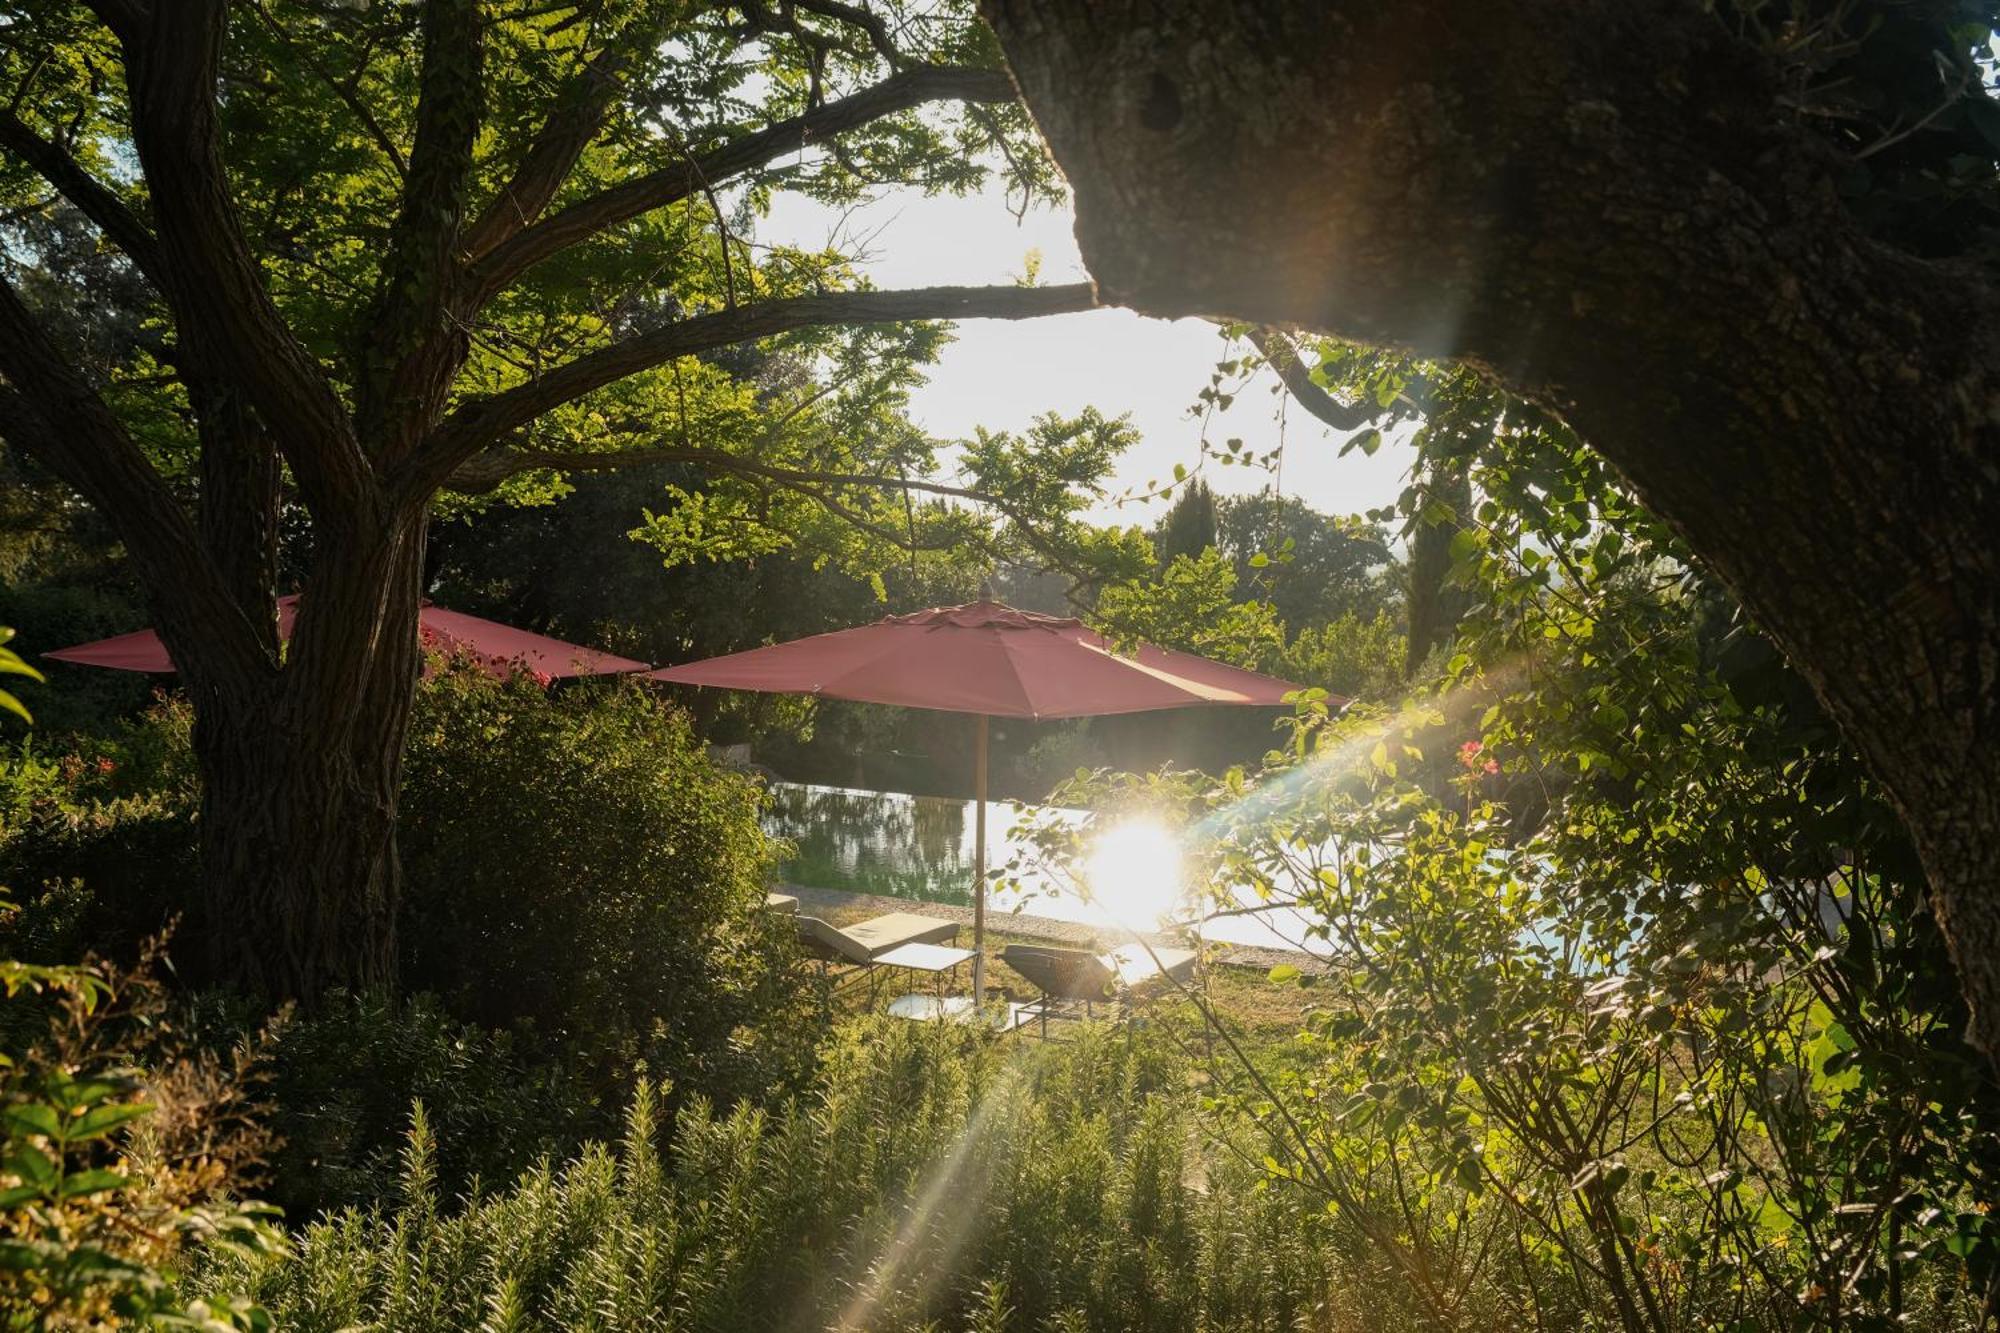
[[979, 863]]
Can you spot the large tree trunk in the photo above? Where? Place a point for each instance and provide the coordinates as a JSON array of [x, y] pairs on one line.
[[1611, 205], [300, 770]]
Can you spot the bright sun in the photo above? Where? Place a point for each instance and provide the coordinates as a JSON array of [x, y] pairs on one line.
[[1133, 875]]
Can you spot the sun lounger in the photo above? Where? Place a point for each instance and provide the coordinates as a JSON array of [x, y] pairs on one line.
[[893, 940], [1138, 967], [1073, 979], [865, 942]]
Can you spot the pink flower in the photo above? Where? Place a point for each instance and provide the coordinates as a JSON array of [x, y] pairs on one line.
[[1473, 755], [543, 678], [106, 766]]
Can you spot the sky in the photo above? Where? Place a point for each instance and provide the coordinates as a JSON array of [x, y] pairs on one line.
[[1001, 374]]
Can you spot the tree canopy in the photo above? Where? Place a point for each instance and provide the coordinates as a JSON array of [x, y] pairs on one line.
[[279, 275]]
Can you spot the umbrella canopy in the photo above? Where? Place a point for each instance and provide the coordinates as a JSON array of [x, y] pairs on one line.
[[500, 648], [985, 658], [992, 660]]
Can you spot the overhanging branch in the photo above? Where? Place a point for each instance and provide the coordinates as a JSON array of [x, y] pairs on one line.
[[90, 196], [479, 424], [485, 473], [1283, 355], [586, 218], [49, 410]]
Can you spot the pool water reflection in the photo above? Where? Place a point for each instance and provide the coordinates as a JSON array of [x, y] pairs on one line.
[[921, 848]]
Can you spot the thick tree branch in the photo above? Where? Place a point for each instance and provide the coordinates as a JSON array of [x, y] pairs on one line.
[[570, 128], [480, 423], [123, 17], [489, 470], [1283, 356], [48, 409], [410, 348], [621, 203], [210, 276], [90, 196]]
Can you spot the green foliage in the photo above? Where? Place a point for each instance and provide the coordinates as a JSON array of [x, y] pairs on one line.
[[118, 1158], [582, 892], [577, 866], [70, 594], [569, 568], [12, 665], [344, 1076], [1353, 656], [928, 1175], [1314, 569], [99, 841], [1640, 1019], [1189, 526], [797, 442], [1191, 606], [1347, 640]]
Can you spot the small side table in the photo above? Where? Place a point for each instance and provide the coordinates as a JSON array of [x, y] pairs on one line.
[[940, 960]]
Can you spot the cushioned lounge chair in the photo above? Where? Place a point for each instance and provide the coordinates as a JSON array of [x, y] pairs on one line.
[[863, 944], [865, 941]]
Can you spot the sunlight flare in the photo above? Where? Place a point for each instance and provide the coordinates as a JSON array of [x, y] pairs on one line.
[[1134, 877]]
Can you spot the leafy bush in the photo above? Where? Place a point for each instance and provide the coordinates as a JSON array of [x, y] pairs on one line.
[[1352, 656], [121, 1156], [929, 1174], [103, 877], [578, 869], [344, 1078], [582, 893], [99, 841]]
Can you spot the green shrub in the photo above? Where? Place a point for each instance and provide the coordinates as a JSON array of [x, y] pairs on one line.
[[345, 1076], [929, 1174], [582, 894], [102, 876], [577, 869], [121, 1155], [1353, 656], [99, 841]]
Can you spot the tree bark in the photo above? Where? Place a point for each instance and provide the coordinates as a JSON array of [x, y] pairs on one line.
[[300, 771], [1613, 207]]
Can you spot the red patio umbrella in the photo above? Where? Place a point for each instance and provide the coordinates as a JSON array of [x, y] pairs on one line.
[[500, 648], [990, 659]]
